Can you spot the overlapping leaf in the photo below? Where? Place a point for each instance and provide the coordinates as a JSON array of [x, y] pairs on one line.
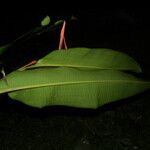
[[86, 58]]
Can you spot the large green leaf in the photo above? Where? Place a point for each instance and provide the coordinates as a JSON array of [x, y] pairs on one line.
[[70, 86], [96, 58]]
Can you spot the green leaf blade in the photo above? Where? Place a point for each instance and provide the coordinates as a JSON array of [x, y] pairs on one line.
[[71, 87], [86, 58]]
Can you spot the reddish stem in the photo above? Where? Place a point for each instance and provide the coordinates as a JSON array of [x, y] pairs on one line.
[[29, 64], [62, 37]]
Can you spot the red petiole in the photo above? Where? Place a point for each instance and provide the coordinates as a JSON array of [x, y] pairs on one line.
[[62, 37]]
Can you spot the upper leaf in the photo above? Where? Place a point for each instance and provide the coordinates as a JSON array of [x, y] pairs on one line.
[[86, 58]]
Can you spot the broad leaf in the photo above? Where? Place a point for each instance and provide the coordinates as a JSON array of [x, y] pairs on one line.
[[97, 58], [71, 87]]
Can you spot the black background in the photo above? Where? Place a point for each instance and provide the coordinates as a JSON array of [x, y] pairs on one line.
[[121, 125]]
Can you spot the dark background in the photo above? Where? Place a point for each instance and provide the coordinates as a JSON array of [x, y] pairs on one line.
[[122, 125]]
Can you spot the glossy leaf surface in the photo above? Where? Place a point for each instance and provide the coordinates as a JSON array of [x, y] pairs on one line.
[[86, 58], [70, 87]]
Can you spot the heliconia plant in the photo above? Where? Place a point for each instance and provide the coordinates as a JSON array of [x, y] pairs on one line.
[[77, 77]]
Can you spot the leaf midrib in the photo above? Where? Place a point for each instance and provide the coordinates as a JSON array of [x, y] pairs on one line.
[[11, 89], [74, 66]]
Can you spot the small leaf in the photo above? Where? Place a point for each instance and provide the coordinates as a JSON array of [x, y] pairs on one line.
[[58, 22], [71, 87], [45, 21]]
